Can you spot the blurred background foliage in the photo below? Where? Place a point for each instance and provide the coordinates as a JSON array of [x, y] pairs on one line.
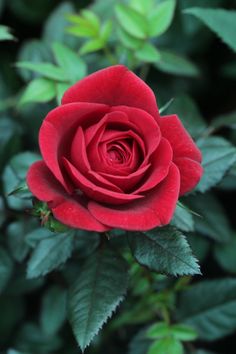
[[186, 53]]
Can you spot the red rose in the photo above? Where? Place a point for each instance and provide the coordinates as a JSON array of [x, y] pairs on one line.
[[109, 159]]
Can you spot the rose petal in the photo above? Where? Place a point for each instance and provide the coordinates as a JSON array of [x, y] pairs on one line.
[[56, 133], [67, 210], [190, 174], [182, 144], [113, 86], [94, 192], [155, 209]]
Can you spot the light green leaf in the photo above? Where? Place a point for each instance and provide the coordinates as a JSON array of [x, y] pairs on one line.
[[47, 70], [160, 18], [176, 64], [220, 21], [163, 250], [54, 310], [92, 46], [38, 90], [74, 67], [210, 308], [189, 115], [127, 40], [218, 156], [61, 88], [225, 255], [50, 253], [106, 30], [99, 289], [92, 18], [183, 219], [5, 34], [131, 21], [148, 53], [158, 330], [183, 332], [213, 221], [142, 6], [166, 346], [6, 268]]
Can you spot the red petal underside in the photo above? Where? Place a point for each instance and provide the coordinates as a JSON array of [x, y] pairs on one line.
[[57, 130], [113, 86], [67, 210], [181, 142], [190, 174], [155, 209]]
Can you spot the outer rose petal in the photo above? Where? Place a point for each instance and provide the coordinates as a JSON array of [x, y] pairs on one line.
[[69, 211], [190, 174], [113, 86], [182, 144], [57, 130], [155, 209]]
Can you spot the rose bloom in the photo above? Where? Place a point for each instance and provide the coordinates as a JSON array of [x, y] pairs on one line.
[[109, 159]]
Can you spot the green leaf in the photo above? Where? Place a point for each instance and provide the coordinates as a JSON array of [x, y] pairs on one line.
[[166, 346], [106, 31], [158, 330], [176, 64], [13, 176], [127, 40], [74, 67], [210, 308], [142, 6], [99, 289], [163, 250], [6, 268], [54, 310], [34, 237], [16, 233], [5, 34], [38, 90], [47, 70], [200, 245], [148, 53], [183, 219], [91, 46], [139, 343], [213, 220], [222, 22], [10, 139], [61, 88], [189, 114], [218, 156], [225, 255], [131, 21], [225, 120], [50, 253], [160, 18], [183, 332]]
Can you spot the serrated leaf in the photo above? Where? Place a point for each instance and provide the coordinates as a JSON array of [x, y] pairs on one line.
[[148, 53], [166, 346], [225, 255], [38, 90], [210, 308], [218, 156], [160, 18], [54, 310], [6, 268], [49, 254], [99, 289], [47, 70], [176, 64], [74, 67], [183, 219], [213, 220], [5, 34], [220, 21], [131, 21], [164, 250]]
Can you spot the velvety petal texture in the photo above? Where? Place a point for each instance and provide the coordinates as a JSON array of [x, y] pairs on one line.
[[109, 159]]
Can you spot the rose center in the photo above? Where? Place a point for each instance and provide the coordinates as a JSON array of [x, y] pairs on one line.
[[115, 156]]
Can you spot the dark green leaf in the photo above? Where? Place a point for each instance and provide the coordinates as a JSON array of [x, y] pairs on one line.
[[183, 219], [139, 343], [99, 289], [131, 21], [164, 250], [225, 120], [160, 18], [218, 156], [176, 64], [225, 255], [200, 245], [53, 312], [213, 221], [6, 268], [210, 307], [222, 22], [50, 253]]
